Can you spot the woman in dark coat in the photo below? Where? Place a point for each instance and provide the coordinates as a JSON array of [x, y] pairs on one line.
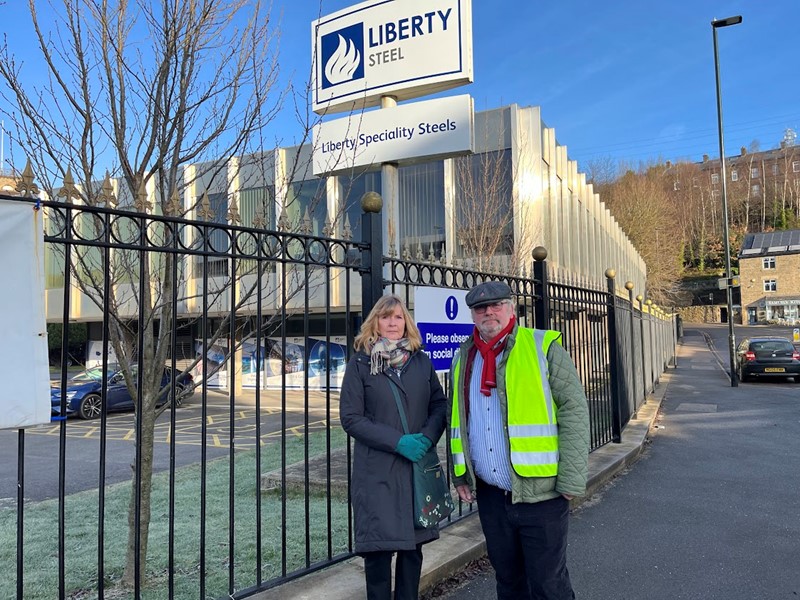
[[389, 348]]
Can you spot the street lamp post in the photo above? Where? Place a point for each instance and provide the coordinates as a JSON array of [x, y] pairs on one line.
[[716, 24]]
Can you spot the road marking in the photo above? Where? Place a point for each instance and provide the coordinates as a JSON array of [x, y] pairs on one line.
[[187, 431]]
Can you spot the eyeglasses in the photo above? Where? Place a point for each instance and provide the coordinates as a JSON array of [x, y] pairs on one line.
[[495, 306]]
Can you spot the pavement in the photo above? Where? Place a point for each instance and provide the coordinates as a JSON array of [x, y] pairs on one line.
[[462, 542]]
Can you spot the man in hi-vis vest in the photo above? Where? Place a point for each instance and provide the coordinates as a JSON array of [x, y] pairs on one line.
[[519, 443]]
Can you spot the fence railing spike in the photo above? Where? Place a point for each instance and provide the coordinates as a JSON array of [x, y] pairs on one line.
[[347, 231], [283, 221], [26, 185], [106, 196], [259, 218], [233, 211], [205, 212], [142, 202], [69, 191], [306, 226]]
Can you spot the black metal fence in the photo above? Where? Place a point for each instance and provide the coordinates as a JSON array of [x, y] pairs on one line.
[[237, 481]]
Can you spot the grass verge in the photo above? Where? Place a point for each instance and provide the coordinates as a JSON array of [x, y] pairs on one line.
[[302, 521]]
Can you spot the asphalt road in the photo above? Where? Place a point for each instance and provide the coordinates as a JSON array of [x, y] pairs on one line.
[[82, 441], [711, 510]]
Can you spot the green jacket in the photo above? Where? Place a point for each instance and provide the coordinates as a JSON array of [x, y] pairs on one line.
[[573, 427]]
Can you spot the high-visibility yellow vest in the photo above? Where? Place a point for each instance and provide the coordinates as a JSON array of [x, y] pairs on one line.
[[531, 411]]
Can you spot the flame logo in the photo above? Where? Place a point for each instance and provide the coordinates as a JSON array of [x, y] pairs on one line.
[[343, 62]]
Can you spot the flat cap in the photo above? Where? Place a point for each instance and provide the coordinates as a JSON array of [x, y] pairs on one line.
[[488, 292]]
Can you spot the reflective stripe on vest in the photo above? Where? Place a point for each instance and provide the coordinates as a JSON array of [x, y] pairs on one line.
[[456, 446], [531, 418]]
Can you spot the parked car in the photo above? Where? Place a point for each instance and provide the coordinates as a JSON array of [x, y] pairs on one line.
[[93, 374], [84, 396], [767, 357]]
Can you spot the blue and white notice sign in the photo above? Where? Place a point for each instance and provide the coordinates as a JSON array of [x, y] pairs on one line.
[[444, 321]]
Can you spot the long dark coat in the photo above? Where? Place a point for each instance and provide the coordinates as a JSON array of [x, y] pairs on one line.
[[381, 480]]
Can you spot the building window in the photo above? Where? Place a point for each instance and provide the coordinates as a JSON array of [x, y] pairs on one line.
[[422, 216], [796, 166], [770, 285], [484, 202], [734, 175], [256, 209], [756, 189], [754, 173], [714, 194], [768, 262], [259, 201], [676, 186], [775, 169], [306, 198], [715, 178], [217, 245]]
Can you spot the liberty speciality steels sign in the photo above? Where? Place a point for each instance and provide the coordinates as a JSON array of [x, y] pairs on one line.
[[402, 48], [428, 129]]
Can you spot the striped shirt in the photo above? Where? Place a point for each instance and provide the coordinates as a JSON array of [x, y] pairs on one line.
[[488, 443]]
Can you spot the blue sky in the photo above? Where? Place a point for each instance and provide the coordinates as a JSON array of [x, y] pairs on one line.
[[629, 80]]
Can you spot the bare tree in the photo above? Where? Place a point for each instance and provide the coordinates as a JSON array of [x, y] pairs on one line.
[[139, 90], [601, 171], [493, 219], [646, 212]]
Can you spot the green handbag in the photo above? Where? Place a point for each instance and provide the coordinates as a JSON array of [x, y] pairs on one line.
[[432, 499]]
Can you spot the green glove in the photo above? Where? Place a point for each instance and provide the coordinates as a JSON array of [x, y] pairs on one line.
[[411, 447], [424, 439]]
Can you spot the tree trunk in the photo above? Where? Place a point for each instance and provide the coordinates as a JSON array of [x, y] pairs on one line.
[[147, 416]]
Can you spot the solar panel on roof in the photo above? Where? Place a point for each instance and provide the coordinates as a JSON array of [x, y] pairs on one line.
[[751, 251]]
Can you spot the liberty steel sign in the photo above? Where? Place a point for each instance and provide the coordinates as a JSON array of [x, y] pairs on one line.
[[400, 48]]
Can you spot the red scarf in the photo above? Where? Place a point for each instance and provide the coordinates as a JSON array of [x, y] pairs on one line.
[[489, 351]]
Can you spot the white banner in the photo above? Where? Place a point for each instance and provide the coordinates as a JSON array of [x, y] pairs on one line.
[[24, 369], [442, 127]]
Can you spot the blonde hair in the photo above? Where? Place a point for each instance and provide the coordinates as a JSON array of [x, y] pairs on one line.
[[383, 307]]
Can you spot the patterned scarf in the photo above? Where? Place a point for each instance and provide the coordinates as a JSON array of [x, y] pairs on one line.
[[388, 353], [489, 351]]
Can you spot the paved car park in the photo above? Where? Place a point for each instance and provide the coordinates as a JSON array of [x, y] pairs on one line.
[[83, 437]]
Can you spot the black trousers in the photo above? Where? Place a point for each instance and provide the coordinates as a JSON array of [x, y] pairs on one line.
[[527, 545], [378, 573]]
